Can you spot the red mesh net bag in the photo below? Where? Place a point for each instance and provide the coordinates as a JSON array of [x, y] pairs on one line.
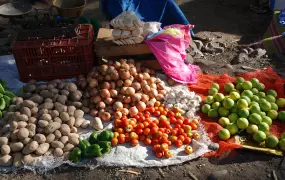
[[266, 76]]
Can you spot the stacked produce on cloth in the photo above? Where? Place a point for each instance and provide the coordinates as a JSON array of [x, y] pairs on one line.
[[5, 97], [246, 108], [43, 121]]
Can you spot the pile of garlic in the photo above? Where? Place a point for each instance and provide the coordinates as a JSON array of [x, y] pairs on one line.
[[180, 97], [128, 29]]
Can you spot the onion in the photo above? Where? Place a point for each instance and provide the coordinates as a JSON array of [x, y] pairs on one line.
[[101, 105], [109, 109], [153, 86], [153, 93], [144, 83], [95, 75], [136, 97], [110, 63], [93, 92], [118, 115], [130, 91], [159, 97], [125, 66], [136, 85], [93, 83], [151, 80], [93, 112], [108, 77], [139, 77], [160, 86], [128, 83], [110, 69], [124, 74], [127, 99], [122, 61], [145, 98], [103, 69], [113, 93], [117, 106], [105, 85], [141, 106], [120, 97], [125, 111], [131, 61], [120, 83], [146, 76], [112, 85], [96, 99], [127, 106], [117, 64], [146, 88], [105, 93], [151, 102], [100, 78], [114, 75], [105, 116], [131, 66], [163, 92], [109, 101], [133, 111], [123, 90], [133, 71]]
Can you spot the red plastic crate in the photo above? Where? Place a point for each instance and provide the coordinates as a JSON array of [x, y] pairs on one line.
[[55, 58]]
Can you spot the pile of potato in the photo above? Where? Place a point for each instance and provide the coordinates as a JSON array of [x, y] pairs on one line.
[[120, 88], [43, 121]]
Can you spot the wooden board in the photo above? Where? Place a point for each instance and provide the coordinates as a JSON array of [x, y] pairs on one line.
[[104, 47]]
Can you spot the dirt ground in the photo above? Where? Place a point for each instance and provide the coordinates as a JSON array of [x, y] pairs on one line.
[[227, 21]]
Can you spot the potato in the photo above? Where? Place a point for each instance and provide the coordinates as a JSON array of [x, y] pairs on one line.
[[71, 87], [3, 141], [5, 149], [46, 105], [78, 114], [57, 119], [50, 87], [42, 149], [85, 124], [28, 103], [23, 117], [85, 109], [78, 105], [58, 152], [29, 159], [40, 138], [73, 135], [32, 129], [52, 127], [64, 139], [6, 160], [22, 124], [78, 122], [16, 146], [65, 129], [71, 110], [54, 113], [37, 99], [14, 135], [12, 108], [73, 140], [46, 117], [26, 95], [32, 120], [23, 133], [64, 92], [59, 107], [57, 144], [27, 141], [18, 106], [61, 99], [71, 122], [54, 91], [57, 134], [31, 147], [29, 88], [43, 123], [75, 96], [13, 126], [26, 111], [34, 111], [46, 94], [68, 147], [60, 85], [50, 138], [40, 130], [48, 100], [49, 152], [64, 116], [43, 111], [73, 130]]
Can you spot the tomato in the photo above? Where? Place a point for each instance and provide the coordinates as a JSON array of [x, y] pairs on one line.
[[134, 142], [175, 109], [133, 135], [146, 131], [114, 141], [164, 147], [129, 128], [143, 119], [189, 134], [142, 137], [162, 118], [181, 137], [172, 120], [156, 113], [157, 104], [168, 130], [137, 117], [188, 150], [127, 137], [174, 132], [140, 114], [152, 124], [154, 141], [196, 136], [180, 131], [151, 110], [179, 122], [173, 139], [178, 114], [124, 122], [163, 112], [158, 135], [120, 130], [153, 130], [169, 143], [170, 114], [147, 141], [178, 126], [187, 140], [133, 122], [178, 143], [139, 131], [116, 134], [140, 126], [156, 148], [163, 139], [160, 109], [117, 122], [159, 154], [193, 126], [121, 139], [187, 128], [147, 115], [156, 121], [168, 154], [146, 124], [195, 121], [186, 121]]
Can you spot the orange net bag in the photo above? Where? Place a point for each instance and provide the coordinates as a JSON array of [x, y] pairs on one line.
[[266, 76]]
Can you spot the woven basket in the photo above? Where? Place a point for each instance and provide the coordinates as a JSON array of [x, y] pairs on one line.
[[69, 8]]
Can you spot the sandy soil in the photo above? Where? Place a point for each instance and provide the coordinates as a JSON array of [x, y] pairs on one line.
[[230, 22]]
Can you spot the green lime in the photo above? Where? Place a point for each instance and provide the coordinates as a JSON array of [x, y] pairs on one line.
[[255, 118], [280, 102], [282, 144], [219, 97], [213, 113], [205, 108], [281, 116], [259, 136], [216, 105], [229, 87], [254, 109], [247, 99], [223, 112], [239, 80], [209, 100], [253, 103], [233, 117], [246, 85], [260, 87], [242, 103], [261, 94], [234, 109], [234, 95], [272, 93], [243, 113], [265, 106], [254, 82], [232, 128], [272, 114], [242, 123], [228, 103], [247, 93], [255, 98], [224, 134], [267, 120], [239, 86], [274, 106], [270, 98], [254, 90], [263, 127], [261, 113], [236, 90], [272, 141], [223, 121], [251, 129], [212, 91], [215, 86]]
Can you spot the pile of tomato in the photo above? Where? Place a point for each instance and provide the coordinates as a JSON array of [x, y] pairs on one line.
[[158, 127]]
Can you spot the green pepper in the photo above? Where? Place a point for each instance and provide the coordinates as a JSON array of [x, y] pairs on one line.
[[93, 151], [93, 137], [83, 145], [105, 145], [105, 136], [75, 155]]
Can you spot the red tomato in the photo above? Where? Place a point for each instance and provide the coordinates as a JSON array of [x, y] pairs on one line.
[[140, 126], [161, 130], [143, 119], [157, 104], [124, 122], [174, 132], [164, 147], [158, 135], [163, 139], [187, 128], [156, 148], [154, 141], [147, 115], [127, 137], [153, 130], [179, 121], [186, 121], [173, 139], [180, 131], [173, 120], [175, 110], [168, 130], [118, 122], [156, 121], [137, 117], [146, 124], [187, 140], [156, 113], [114, 141], [152, 124], [169, 143], [151, 110], [181, 137], [168, 154], [142, 137], [134, 142], [193, 126], [177, 126], [146, 131], [164, 112], [129, 128], [121, 140], [195, 121], [170, 114], [133, 135], [147, 141], [178, 143], [120, 130], [180, 118], [159, 154], [139, 131]]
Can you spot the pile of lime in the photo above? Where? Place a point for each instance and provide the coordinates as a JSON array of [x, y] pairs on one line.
[[246, 107]]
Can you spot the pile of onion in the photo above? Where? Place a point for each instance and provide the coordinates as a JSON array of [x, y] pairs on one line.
[[120, 88]]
